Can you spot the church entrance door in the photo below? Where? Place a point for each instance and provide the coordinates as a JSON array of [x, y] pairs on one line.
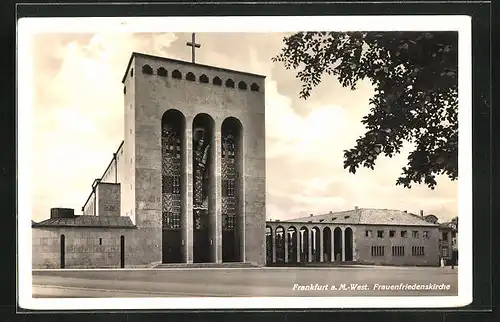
[[171, 246], [122, 251], [63, 249], [203, 188], [201, 238], [230, 246]]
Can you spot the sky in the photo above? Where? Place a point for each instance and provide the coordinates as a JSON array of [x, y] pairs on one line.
[[78, 124]]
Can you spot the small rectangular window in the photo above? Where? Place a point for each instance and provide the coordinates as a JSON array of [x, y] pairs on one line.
[[414, 234], [377, 251], [392, 233], [100, 241], [380, 233], [404, 233], [426, 234], [368, 233], [398, 250], [417, 251]]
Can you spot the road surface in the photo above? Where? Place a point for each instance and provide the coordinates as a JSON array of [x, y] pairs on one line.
[[220, 282]]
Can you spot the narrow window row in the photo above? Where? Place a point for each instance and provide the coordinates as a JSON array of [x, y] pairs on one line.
[[404, 234], [217, 81]]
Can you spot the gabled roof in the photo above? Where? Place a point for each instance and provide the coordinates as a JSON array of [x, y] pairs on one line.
[[366, 216], [87, 222]]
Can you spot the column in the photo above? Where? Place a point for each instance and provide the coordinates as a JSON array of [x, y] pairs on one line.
[[116, 167], [309, 245], [332, 241], [187, 192], [321, 246], [286, 245], [298, 238], [216, 197], [353, 245], [343, 244], [273, 238], [240, 197]]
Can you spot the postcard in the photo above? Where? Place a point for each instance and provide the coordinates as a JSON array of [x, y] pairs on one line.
[[244, 162]]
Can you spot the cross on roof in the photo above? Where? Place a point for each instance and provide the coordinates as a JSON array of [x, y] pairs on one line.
[[193, 46]]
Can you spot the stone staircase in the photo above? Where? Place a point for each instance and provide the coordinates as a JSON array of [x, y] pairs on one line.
[[206, 265]]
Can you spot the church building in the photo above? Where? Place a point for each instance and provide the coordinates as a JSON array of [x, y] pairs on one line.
[[186, 185]]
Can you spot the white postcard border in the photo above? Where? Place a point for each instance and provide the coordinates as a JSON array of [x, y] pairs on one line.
[[28, 26]]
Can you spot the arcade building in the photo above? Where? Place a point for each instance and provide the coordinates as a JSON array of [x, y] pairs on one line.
[[357, 236]]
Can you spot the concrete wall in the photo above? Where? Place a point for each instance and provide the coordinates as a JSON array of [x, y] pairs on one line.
[[83, 250], [108, 195], [110, 175], [147, 98], [128, 173], [431, 245], [114, 172], [90, 207], [120, 162]]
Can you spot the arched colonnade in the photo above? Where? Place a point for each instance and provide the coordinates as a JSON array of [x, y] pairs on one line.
[[306, 242]]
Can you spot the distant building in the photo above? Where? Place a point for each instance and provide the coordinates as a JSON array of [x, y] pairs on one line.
[[448, 244], [363, 236]]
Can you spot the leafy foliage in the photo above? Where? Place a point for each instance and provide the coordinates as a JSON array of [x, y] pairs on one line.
[[415, 77]]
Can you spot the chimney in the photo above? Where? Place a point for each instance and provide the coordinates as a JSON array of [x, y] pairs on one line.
[[310, 215], [421, 213], [331, 212], [405, 211], [355, 207]]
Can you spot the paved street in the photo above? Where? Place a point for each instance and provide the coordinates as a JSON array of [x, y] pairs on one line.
[[337, 281]]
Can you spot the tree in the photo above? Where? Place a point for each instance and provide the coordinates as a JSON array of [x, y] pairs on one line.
[[414, 75]]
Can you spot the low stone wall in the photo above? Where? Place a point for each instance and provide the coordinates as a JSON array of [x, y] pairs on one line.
[[91, 248]]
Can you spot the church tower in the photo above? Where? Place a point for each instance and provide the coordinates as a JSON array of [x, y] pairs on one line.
[[194, 183]]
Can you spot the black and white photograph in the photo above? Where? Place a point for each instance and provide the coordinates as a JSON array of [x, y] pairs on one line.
[[244, 162]]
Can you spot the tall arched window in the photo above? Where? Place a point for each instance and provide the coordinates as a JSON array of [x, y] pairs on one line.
[[172, 142], [228, 146], [171, 149]]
